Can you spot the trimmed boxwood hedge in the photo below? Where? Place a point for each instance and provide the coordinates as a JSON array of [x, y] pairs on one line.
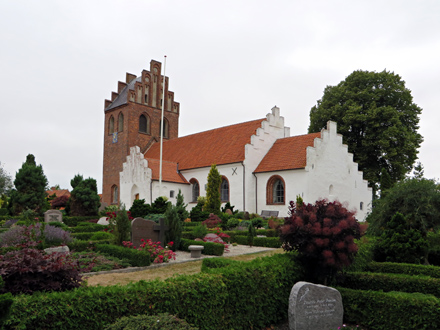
[[392, 282], [210, 248], [88, 227], [390, 310], [241, 296], [74, 221], [79, 245], [135, 257], [400, 268]]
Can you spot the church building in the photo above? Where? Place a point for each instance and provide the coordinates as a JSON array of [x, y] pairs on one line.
[[262, 166]]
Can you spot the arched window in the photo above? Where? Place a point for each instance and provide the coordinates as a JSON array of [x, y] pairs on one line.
[[165, 128], [120, 122], [111, 125], [195, 190], [144, 124], [224, 190], [275, 190], [115, 196]]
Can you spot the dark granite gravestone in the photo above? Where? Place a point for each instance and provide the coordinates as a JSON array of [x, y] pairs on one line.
[[314, 307], [53, 216], [147, 229]]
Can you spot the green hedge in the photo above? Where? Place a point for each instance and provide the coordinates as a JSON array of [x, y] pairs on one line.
[[212, 249], [135, 257], [78, 245], [390, 310], [190, 224], [249, 295], [74, 221], [392, 282], [83, 236], [273, 242], [88, 227], [408, 269], [188, 235]]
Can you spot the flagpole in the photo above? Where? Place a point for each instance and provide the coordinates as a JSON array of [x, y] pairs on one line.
[[162, 126]]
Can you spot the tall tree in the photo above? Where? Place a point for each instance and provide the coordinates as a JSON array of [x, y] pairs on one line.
[[378, 119], [84, 199], [213, 201], [30, 188]]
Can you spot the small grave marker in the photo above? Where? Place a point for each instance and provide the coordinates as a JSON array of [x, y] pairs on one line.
[[147, 229], [53, 216]]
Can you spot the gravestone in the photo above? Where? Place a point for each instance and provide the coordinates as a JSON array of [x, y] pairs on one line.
[[147, 229], [314, 307], [53, 216]]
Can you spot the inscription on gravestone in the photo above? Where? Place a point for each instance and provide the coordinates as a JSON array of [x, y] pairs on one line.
[[147, 229], [53, 216], [314, 307]]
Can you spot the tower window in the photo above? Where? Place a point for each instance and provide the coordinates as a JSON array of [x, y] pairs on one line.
[[111, 125], [120, 122], [115, 196], [165, 128], [144, 124]]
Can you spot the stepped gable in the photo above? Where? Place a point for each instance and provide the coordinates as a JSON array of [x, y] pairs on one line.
[[287, 153], [224, 145], [169, 171]]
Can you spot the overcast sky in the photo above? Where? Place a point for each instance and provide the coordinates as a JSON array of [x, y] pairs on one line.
[[228, 62]]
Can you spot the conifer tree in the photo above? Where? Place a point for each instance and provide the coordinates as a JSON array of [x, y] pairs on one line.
[[213, 201], [30, 188], [175, 227], [84, 199], [181, 207]]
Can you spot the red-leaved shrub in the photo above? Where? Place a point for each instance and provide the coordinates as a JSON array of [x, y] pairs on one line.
[[323, 234], [212, 222], [29, 270]]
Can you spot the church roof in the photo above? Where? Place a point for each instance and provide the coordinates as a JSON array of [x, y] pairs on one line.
[[224, 145], [169, 171], [287, 153], [122, 97]]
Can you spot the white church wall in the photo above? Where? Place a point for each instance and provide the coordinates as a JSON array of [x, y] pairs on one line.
[[169, 190], [135, 178], [332, 174], [271, 129]]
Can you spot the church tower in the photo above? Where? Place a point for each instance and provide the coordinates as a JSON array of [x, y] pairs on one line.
[[132, 118]]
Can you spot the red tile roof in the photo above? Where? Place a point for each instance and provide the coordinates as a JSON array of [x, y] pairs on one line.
[[224, 145], [287, 153], [58, 193], [169, 171]]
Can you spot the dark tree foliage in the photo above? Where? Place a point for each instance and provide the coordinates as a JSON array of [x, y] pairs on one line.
[[160, 205], [5, 181], [417, 199], [378, 119], [59, 202], [30, 188], [385, 182], [181, 207], [120, 222], [323, 234], [140, 209], [197, 213], [84, 198], [401, 243], [213, 200], [175, 225], [77, 179]]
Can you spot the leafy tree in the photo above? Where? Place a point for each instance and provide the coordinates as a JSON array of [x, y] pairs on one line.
[[417, 199], [400, 243], [84, 198], [323, 234], [140, 209], [5, 181], [376, 115], [385, 182], [175, 225], [121, 224], [213, 200], [181, 207], [30, 188]]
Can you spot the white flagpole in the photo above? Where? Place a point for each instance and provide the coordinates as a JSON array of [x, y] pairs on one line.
[[161, 126]]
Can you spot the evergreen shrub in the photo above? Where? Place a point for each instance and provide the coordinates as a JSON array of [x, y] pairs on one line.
[[407, 269], [74, 221], [100, 235], [85, 245], [88, 227], [162, 321]]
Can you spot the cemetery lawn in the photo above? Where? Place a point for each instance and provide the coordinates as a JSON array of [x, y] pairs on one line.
[[166, 271]]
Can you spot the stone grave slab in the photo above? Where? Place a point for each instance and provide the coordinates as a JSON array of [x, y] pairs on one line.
[[53, 216], [147, 229], [314, 307]]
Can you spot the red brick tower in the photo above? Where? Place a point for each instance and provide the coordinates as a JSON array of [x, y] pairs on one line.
[[132, 118]]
